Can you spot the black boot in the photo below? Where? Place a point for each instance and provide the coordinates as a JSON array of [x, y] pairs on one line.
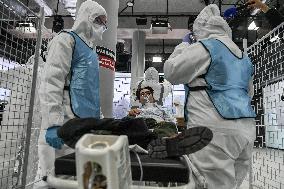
[[187, 142]]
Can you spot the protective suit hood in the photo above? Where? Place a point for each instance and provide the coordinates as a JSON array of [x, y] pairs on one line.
[[84, 25], [209, 23], [161, 90]]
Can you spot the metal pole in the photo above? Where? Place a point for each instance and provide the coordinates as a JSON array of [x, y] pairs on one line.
[[167, 7], [138, 57], [245, 47], [250, 174], [32, 97]]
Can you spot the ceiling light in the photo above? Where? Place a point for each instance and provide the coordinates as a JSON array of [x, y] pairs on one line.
[[157, 59], [26, 27], [130, 3], [160, 26], [253, 26]]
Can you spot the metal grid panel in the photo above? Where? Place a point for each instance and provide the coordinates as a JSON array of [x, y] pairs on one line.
[[267, 55], [17, 44], [121, 100], [33, 160]]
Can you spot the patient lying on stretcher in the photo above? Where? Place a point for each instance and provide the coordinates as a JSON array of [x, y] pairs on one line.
[[156, 117], [149, 125]]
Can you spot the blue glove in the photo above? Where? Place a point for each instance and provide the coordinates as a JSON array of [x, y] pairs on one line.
[[52, 138], [233, 11], [189, 38], [230, 13]]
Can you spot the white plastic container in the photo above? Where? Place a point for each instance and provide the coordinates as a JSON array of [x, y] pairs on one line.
[[103, 161]]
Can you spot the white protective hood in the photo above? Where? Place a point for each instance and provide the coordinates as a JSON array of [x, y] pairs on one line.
[[209, 22], [152, 80], [84, 25]]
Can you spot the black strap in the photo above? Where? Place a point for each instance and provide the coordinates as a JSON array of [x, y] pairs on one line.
[[161, 95], [66, 88], [202, 76], [198, 88]]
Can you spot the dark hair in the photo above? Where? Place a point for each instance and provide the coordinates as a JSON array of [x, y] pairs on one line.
[[140, 89]]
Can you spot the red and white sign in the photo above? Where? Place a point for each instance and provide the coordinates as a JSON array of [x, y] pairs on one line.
[[106, 57]]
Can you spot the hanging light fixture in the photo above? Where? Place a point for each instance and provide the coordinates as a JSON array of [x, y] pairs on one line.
[[253, 26], [157, 59]]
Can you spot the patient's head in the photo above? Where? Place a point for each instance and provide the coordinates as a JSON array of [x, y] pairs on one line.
[[145, 95]]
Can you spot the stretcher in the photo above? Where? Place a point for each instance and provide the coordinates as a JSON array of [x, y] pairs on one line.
[[143, 169], [159, 170], [154, 170]]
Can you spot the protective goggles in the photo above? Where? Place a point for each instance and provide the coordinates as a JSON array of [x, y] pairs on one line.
[[101, 20]]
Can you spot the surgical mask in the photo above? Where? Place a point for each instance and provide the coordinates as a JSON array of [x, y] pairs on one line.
[[98, 27], [98, 31]]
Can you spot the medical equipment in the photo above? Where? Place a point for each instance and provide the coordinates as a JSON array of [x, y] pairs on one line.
[[105, 161]]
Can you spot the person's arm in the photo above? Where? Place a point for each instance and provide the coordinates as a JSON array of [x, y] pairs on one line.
[[258, 4], [273, 16], [186, 63], [134, 112], [54, 72]]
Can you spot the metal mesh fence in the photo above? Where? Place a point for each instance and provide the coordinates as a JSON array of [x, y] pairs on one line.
[[19, 54], [267, 55], [33, 159]]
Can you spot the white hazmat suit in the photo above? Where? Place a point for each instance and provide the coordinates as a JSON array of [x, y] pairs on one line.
[[55, 101], [225, 161]]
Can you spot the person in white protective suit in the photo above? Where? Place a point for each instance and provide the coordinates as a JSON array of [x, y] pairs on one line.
[[150, 94], [218, 80], [71, 69], [18, 81]]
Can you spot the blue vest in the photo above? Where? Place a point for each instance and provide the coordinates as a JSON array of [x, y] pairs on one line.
[[228, 81], [84, 82]]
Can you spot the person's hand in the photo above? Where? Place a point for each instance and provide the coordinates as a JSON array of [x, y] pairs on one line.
[[189, 38], [258, 4], [134, 112], [52, 138]]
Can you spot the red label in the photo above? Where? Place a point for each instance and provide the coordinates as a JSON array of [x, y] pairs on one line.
[[106, 57], [107, 62]]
